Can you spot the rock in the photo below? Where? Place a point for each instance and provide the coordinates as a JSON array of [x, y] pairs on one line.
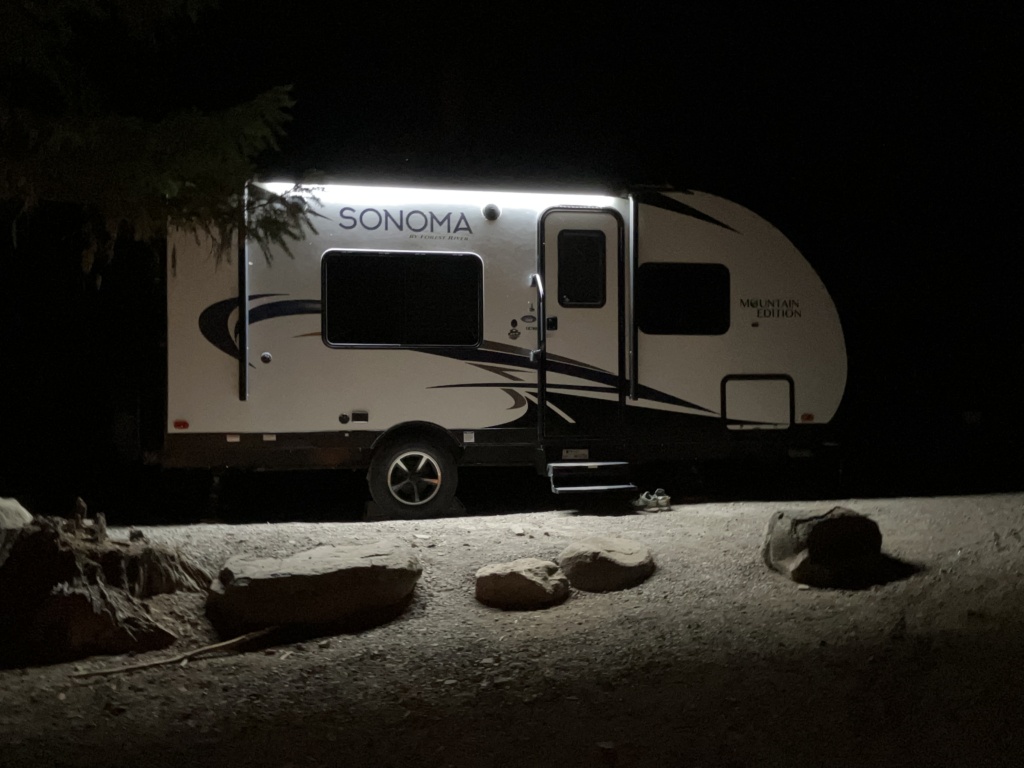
[[606, 563], [12, 514], [13, 517], [345, 585], [64, 596], [840, 548], [521, 584]]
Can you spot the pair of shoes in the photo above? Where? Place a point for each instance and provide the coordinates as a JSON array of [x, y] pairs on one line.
[[646, 501], [652, 502]]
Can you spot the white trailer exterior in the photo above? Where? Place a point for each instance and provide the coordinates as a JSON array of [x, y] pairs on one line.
[[421, 329]]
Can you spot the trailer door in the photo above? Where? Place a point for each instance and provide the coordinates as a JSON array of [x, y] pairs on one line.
[[584, 369]]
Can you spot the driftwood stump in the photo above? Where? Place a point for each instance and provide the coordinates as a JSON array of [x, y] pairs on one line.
[[68, 591]]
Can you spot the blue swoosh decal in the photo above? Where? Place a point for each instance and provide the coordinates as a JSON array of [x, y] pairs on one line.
[[213, 321]]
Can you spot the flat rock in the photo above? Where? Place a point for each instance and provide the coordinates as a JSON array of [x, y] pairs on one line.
[[606, 563], [838, 548], [521, 584], [346, 585]]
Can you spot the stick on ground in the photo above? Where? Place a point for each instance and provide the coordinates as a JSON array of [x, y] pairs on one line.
[[226, 645]]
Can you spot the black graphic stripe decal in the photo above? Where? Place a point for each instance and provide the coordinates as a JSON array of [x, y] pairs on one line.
[[527, 386], [518, 399], [503, 354], [659, 200], [215, 327], [284, 309]]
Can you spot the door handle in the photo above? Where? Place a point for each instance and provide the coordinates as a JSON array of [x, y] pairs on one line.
[[552, 324]]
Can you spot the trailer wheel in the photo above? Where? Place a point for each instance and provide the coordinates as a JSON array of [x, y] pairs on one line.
[[413, 479]]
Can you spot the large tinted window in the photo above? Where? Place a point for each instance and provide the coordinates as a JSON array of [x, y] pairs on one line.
[[682, 299], [581, 268], [402, 299]]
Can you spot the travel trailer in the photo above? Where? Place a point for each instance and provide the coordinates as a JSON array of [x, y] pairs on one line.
[[420, 330]]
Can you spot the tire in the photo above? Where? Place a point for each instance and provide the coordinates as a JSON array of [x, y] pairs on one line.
[[413, 478]]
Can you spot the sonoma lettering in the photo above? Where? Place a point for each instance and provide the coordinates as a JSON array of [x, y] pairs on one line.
[[404, 221]]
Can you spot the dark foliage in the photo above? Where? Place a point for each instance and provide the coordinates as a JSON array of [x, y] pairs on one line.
[[96, 112]]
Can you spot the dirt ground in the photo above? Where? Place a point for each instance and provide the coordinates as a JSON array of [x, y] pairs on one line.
[[715, 661]]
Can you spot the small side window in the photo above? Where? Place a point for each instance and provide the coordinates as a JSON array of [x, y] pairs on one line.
[[581, 270], [682, 299]]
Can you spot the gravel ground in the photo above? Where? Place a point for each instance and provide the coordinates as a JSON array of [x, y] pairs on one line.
[[713, 661]]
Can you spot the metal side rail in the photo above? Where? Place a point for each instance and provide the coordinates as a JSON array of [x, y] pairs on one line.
[[589, 476]]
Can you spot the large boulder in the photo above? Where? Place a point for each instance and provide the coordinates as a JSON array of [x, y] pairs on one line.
[[13, 517], [351, 585], [521, 584], [606, 563], [839, 548], [67, 592]]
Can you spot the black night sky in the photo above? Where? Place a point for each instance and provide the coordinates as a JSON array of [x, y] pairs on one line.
[[884, 143]]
